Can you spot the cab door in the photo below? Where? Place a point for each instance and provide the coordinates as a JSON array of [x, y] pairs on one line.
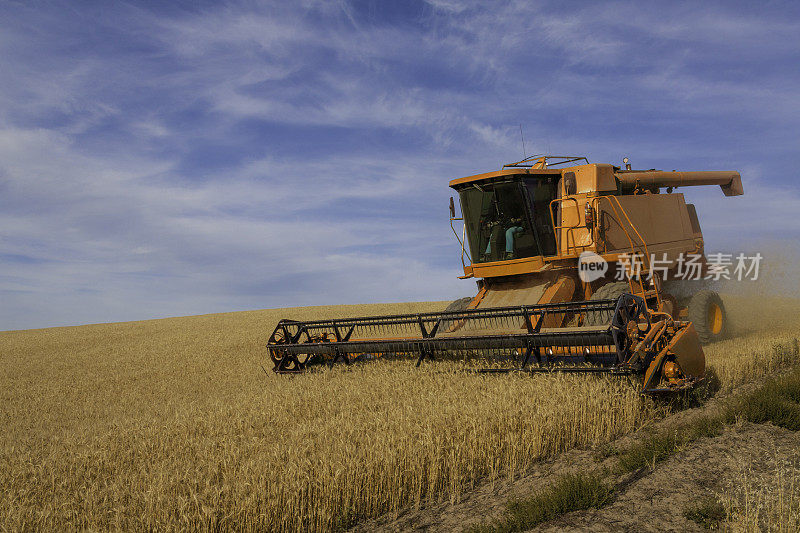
[[540, 191]]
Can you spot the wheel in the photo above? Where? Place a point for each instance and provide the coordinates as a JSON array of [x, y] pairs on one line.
[[457, 305], [707, 313], [609, 291]]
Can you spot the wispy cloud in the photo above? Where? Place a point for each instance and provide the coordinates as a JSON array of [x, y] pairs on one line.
[[165, 160]]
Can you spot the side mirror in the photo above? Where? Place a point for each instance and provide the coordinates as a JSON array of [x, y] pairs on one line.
[[452, 208]]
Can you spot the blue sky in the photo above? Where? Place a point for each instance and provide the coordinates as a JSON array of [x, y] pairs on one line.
[[197, 157]]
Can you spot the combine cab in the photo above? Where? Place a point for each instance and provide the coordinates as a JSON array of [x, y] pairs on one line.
[[528, 231]]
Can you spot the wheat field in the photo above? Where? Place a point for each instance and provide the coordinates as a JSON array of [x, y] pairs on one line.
[[758, 502], [172, 424]]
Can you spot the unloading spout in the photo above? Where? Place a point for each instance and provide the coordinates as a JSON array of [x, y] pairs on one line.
[[729, 181]]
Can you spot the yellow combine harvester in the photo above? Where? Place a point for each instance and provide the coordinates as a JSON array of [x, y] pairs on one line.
[[545, 239]]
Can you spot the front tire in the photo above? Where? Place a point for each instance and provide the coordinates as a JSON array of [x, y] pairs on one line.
[[609, 291], [458, 305]]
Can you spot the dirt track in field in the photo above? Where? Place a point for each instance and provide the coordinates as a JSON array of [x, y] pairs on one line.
[[657, 501], [645, 500]]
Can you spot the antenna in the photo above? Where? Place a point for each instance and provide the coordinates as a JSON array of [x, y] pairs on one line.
[[524, 153]]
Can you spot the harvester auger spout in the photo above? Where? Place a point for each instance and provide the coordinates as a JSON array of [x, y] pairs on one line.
[[630, 340]]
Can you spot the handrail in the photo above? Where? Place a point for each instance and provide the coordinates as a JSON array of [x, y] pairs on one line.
[[630, 240], [647, 264], [542, 160], [461, 240], [556, 228]]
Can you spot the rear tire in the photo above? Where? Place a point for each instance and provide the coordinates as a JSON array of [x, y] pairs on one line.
[[707, 312], [609, 291]]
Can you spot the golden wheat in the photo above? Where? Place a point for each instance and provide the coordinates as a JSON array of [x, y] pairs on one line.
[[764, 502], [171, 424]]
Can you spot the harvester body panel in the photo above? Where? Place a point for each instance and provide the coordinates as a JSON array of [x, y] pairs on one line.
[[662, 220]]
